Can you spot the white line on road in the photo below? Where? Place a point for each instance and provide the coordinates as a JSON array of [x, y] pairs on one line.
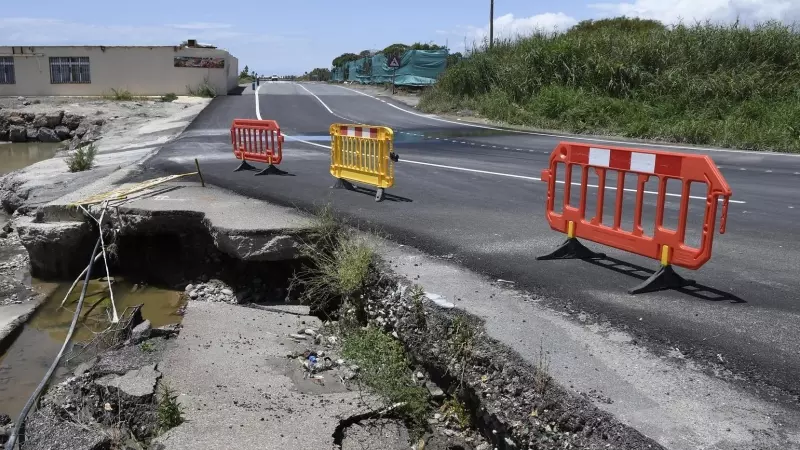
[[464, 169], [534, 133]]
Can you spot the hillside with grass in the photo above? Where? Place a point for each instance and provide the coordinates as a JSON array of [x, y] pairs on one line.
[[730, 86]]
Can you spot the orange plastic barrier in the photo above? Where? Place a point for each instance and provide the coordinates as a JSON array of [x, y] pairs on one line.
[[666, 245], [260, 141]]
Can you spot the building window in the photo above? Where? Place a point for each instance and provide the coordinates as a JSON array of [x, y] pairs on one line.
[[7, 70], [69, 70]]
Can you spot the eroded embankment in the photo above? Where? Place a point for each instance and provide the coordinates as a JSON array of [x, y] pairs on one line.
[[462, 372]]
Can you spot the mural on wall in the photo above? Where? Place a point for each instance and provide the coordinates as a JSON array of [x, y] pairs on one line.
[[197, 61]]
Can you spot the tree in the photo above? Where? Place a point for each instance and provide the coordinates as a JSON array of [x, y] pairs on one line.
[[344, 58], [245, 72], [619, 25]]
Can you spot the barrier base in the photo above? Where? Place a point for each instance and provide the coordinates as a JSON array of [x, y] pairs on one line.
[[379, 195], [244, 166], [572, 248], [343, 184], [665, 278], [271, 170]]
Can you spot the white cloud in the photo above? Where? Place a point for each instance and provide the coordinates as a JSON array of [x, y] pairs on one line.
[[509, 26], [690, 11]]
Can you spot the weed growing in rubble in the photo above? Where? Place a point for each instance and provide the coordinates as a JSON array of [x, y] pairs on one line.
[[454, 408], [541, 379], [385, 368], [341, 267], [82, 158], [170, 412], [418, 309], [171, 97], [120, 95], [462, 341]]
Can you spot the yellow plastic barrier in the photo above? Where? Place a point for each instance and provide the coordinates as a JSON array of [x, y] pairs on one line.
[[363, 154]]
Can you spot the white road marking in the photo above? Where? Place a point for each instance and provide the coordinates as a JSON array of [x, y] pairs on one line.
[[464, 169], [523, 177], [534, 133]]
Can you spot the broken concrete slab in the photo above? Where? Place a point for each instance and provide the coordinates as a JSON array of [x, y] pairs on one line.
[[43, 431], [243, 228], [15, 315], [138, 384], [129, 357], [235, 387]]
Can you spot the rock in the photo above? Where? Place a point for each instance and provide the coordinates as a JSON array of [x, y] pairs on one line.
[[85, 367], [189, 288], [310, 332], [16, 119], [21, 98], [98, 121], [4, 419], [299, 337], [32, 133], [80, 131], [71, 121], [166, 331], [420, 376], [227, 292], [483, 446], [193, 295], [53, 118], [435, 391], [48, 135], [62, 132], [17, 133], [39, 121], [141, 332], [138, 384]]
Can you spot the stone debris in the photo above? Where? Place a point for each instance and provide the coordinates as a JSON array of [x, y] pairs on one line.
[[212, 291]]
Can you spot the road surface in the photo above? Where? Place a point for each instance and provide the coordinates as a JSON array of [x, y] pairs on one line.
[[474, 194]]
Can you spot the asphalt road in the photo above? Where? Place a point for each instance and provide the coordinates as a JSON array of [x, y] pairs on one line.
[[474, 193]]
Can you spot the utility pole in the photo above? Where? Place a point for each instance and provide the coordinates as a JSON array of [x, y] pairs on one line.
[[491, 23]]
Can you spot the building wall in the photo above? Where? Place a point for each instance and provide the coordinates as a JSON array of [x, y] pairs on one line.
[[140, 70]]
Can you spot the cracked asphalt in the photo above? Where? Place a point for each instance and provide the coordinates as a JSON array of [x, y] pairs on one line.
[[474, 193]]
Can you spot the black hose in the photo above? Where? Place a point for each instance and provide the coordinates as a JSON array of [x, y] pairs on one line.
[[35, 396]]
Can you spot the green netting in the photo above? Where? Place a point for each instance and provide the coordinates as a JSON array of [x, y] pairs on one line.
[[417, 68]]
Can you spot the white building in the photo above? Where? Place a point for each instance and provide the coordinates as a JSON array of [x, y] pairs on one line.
[[99, 70]]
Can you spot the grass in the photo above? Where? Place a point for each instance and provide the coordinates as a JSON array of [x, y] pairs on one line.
[[120, 95], [82, 158], [147, 347], [170, 412], [704, 84], [204, 89], [246, 80], [385, 368], [170, 97], [341, 267]]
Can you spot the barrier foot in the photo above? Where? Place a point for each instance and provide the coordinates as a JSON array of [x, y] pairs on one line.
[[343, 184], [572, 248], [665, 278], [379, 195], [271, 170], [244, 166]]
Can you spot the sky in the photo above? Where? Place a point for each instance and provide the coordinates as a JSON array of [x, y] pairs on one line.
[[291, 37]]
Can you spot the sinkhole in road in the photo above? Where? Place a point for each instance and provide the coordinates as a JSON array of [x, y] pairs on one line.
[[24, 362]]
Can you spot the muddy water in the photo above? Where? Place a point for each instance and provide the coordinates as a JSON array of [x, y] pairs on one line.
[[19, 155], [27, 359]]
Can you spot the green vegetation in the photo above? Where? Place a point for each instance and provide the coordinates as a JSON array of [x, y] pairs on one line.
[[341, 268], [82, 158], [386, 370], [170, 97], [204, 89], [704, 84], [394, 49], [147, 347], [170, 412], [318, 74], [121, 95]]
